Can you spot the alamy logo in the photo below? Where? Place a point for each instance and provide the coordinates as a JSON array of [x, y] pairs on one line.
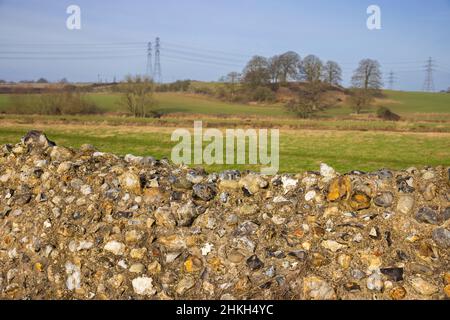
[[374, 20], [73, 22], [190, 150]]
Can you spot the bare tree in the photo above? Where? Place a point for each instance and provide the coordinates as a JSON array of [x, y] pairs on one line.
[[232, 79], [256, 73], [311, 69], [332, 73], [274, 69], [368, 75], [138, 95], [288, 64]]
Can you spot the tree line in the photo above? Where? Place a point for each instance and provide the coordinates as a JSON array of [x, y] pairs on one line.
[[262, 75], [280, 69]]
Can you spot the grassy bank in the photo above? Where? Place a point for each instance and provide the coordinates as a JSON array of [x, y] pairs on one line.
[[299, 149]]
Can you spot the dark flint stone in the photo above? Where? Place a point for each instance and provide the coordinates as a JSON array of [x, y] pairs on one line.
[[442, 237], [387, 236], [402, 255], [299, 254], [352, 287], [427, 215], [38, 172], [205, 192], [230, 175], [112, 194], [275, 254], [246, 192], [266, 285], [395, 274], [446, 214], [403, 186], [254, 263], [176, 196], [384, 174], [76, 215], [384, 199], [277, 182], [122, 215], [35, 137]]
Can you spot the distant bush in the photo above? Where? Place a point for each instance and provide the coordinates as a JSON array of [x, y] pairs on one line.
[[263, 94], [61, 103], [22, 104], [223, 93], [361, 99], [203, 90], [137, 96], [311, 99], [177, 86], [386, 114], [42, 80]]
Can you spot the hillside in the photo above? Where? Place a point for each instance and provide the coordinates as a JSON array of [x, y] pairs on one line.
[[410, 105]]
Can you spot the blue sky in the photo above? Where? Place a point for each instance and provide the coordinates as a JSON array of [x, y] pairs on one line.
[[204, 39]]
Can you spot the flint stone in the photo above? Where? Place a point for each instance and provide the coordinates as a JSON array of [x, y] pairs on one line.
[[427, 215], [442, 237], [316, 288], [37, 138], [205, 192]]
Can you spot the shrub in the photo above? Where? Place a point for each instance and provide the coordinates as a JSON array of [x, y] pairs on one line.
[[137, 96], [263, 94], [61, 103], [312, 99], [203, 90], [42, 80], [22, 104], [386, 114], [361, 99]]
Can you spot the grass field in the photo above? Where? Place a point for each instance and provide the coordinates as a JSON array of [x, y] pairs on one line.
[[299, 149], [344, 141], [408, 104], [417, 102]]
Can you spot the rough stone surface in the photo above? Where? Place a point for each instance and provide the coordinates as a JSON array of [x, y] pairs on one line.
[[315, 288], [82, 224]]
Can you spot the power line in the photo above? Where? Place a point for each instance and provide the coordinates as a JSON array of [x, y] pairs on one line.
[[429, 82], [71, 44], [201, 55], [157, 76], [391, 80], [149, 60], [71, 58], [71, 52], [213, 51], [202, 61]]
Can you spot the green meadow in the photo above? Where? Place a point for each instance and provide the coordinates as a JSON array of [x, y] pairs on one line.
[[336, 137]]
